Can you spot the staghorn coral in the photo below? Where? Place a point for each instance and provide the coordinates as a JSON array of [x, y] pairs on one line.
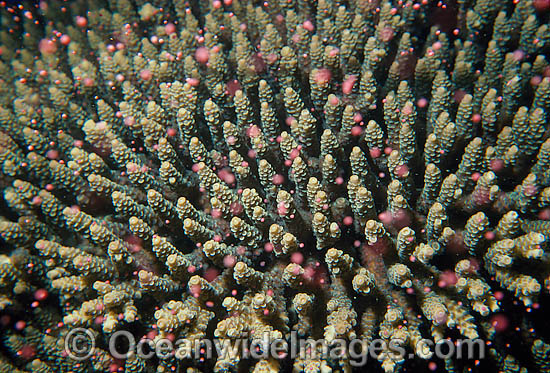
[[233, 169]]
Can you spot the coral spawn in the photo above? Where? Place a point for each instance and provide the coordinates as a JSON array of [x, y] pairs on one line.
[[234, 169]]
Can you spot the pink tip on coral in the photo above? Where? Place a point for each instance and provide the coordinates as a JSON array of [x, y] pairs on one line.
[[348, 220], [535, 80], [282, 209], [253, 131], [52, 154], [193, 82], [347, 85], [518, 55], [308, 25], [236, 208], [323, 76], [339, 180], [387, 34], [268, 247], [145, 74], [132, 167]]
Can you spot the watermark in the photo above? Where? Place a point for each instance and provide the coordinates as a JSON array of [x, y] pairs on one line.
[[80, 345]]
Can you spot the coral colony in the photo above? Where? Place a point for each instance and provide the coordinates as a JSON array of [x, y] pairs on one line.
[[340, 170]]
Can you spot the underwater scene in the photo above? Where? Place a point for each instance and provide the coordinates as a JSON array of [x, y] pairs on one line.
[[275, 186]]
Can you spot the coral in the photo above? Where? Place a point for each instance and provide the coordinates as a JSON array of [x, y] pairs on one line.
[[240, 169]]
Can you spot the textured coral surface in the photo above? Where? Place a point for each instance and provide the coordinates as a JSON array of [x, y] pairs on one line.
[[232, 169]]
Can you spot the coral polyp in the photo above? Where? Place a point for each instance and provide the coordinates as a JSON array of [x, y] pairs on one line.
[[246, 172]]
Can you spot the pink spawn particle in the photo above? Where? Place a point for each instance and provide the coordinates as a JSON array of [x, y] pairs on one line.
[[356, 131], [497, 165], [193, 82], [65, 39], [202, 55], [232, 87], [541, 5], [297, 258], [490, 235], [278, 179], [47, 46], [170, 28], [422, 103], [41, 294], [20, 325], [500, 322], [145, 74], [81, 21], [229, 261], [375, 152]]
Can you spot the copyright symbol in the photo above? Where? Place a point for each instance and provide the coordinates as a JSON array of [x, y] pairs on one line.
[[79, 344]]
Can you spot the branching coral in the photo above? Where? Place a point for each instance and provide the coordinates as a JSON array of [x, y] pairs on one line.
[[238, 169]]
